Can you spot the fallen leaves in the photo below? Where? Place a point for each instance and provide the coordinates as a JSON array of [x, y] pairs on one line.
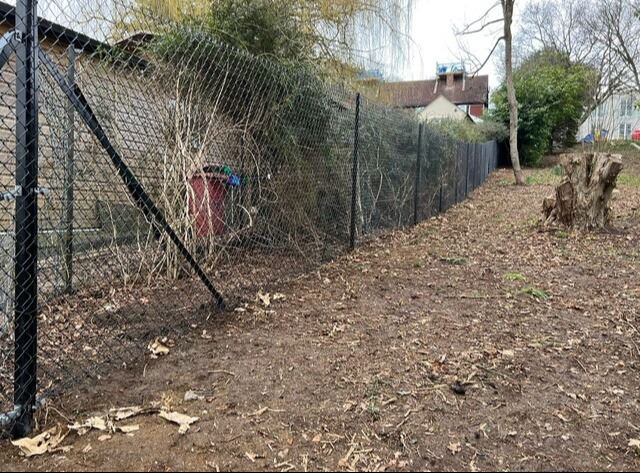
[[184, 421], [454, 448], [129, 412], [47, 442], [108, 423], [159, 347], [266, 299], [466, 319], [190, 396], [93, 423]]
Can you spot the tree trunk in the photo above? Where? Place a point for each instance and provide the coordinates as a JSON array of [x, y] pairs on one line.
[[507, 9], [582, 198]]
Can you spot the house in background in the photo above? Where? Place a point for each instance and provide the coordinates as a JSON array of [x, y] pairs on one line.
[[442, 109], [615, 119], [469, 93]]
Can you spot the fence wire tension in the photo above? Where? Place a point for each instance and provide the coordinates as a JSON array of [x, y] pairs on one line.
[[142, 173]]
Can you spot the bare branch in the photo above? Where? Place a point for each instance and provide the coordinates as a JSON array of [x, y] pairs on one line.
[[468, 31], [484, 63]]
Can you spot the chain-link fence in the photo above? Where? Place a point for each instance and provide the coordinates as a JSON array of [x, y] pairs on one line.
[[148, 178]]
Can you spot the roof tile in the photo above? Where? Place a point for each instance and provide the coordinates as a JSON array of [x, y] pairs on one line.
[[421, 93]]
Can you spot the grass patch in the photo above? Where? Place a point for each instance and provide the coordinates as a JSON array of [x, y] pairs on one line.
[[536, 293], [557, 170], [543, 177], [629, 180], [374, 411], [613, 146], [374, 388], [456, 260], [515, 277]]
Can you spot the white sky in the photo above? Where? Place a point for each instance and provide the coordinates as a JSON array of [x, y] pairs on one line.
[[432, 32], [434, 40]]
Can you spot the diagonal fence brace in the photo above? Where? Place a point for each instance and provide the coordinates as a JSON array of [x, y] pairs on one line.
[[140, 196], [7, 46]]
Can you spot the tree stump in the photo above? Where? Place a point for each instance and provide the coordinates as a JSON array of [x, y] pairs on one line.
[[581, 200]]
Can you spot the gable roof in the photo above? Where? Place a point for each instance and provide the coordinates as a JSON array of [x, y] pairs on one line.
[[443, 108], [63, 36], [415, 94], [53, 30]]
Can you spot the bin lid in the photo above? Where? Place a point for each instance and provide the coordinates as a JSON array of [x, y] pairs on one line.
[[221, 173]]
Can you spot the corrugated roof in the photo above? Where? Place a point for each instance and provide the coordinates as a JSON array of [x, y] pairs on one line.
[[415, 94]]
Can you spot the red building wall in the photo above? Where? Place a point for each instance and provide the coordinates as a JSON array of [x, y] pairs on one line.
[[476, 110]]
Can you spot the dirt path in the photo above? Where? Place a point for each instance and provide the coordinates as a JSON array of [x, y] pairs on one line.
[[354, 369]]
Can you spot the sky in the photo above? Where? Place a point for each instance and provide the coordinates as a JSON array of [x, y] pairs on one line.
[[432, 33], [434, 40]]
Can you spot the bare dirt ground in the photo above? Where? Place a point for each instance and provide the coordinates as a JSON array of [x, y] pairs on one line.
[[474, 341]]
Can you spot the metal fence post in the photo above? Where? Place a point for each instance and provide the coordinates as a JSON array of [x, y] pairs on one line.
[[69, 176], [26, 219], [485, 164], [488, 162], [354, 175], [482, 155], [466, 173], [455, 175], [472, 153], [416, 191], [476, 168]]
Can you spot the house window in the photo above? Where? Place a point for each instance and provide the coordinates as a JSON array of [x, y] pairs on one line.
[[625, 131], [626, 106]]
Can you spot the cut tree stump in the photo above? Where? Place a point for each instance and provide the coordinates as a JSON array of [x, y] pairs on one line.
[[581, 200]]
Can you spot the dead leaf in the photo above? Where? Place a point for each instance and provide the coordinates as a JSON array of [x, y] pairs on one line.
[[129, 412], [184, 421], [40, 444], [264, 298], [454, 448], [127, 429], [158, 348], [93, 423], [192, 396], [635, 443]]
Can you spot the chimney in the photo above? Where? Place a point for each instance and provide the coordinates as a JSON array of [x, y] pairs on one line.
[[450, 80]]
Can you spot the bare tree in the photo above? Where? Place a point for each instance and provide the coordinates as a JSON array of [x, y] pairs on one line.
[[560, 25], [488, 19], [616, 29], [587, 32]]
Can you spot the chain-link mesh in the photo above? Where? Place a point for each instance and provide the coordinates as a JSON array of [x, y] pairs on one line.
[[171, 169]]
